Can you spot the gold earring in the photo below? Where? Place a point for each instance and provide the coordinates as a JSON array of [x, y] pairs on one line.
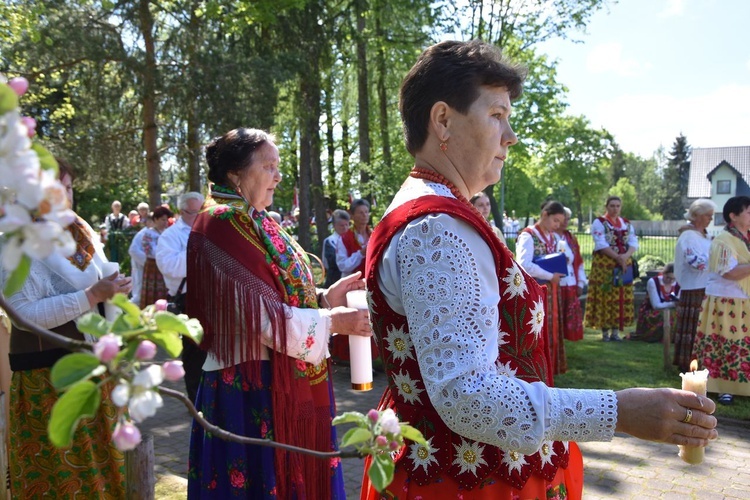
[[443, 146]]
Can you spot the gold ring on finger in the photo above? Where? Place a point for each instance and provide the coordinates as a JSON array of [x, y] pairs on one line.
[[688, 416]]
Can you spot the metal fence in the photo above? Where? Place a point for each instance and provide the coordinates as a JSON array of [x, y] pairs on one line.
[[659, 246]]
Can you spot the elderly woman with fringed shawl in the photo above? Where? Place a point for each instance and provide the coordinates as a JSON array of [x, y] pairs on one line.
[[266, 374], [722, 342]]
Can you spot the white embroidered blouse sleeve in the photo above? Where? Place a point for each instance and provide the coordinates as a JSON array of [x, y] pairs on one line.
[[598, 235], [347, 263], [525, 256], [695, 254], [40, 302], [632, 238], [440, 268], [308, 331]]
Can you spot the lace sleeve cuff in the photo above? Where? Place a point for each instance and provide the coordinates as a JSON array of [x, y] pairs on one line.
[[582, 415]]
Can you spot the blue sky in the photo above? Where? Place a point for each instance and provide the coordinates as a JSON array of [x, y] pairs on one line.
[[650, 69]]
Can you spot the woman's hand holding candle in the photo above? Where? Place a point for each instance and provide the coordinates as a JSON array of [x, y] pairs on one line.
[[694, 381]]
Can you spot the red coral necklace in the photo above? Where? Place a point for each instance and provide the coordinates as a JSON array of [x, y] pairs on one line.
[[433, 176]]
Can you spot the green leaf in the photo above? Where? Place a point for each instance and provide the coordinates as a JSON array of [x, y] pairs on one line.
[[93, 324], [169, 341], [195, 330], [131, 310], [8, 99], [127, 353], [349, 417], [73, 368], [412, 433], [125, 324], [80, 401], [381, 471], [355, 435], [46, 160], [168, 322], [19, 274]]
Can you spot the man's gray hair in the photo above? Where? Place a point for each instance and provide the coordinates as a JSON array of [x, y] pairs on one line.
[[339, 214], [190, 195]]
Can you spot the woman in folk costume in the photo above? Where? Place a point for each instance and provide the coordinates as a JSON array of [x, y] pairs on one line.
[[610, 304], [572, 285], [461, 325], [722, 341], [536, 241], [661, 293], [153, 287], [691, 270], [266, 373], [58, 291]]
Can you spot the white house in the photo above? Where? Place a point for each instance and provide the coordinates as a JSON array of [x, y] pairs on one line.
[[719, 174]]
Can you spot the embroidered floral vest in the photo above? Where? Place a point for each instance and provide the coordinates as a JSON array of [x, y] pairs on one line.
[[617, 238], [469, 462]]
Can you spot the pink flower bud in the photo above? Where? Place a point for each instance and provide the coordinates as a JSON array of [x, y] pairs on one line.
[[107, 347], [373, 415], [30, 125], [173, 370], [394, 445], [146, 350], [126, 436], [19, 85], [381, 441], [161, 305]]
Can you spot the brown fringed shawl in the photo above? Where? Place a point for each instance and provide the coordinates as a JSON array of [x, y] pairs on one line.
[[238, 265]]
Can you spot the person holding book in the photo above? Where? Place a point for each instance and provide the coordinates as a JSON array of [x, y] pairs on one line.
[[538, 249], [610, 302]]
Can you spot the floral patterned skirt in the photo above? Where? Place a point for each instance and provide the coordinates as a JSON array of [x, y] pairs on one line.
[[223, 469], [608, 306], [91, 468], [152, 284], [722, 344], [572, 316], [567, 484], [650, 324], [688, 311]]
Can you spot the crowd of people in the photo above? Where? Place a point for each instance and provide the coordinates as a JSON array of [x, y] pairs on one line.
[[470, 336]]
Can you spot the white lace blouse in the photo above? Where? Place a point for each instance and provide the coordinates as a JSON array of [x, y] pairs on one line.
[[513, 413]]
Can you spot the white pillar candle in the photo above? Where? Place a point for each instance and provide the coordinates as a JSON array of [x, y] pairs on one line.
[[360, 351], [110, 311], [694, 381]]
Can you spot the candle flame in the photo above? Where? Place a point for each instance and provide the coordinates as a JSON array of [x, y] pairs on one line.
[[693, 365]]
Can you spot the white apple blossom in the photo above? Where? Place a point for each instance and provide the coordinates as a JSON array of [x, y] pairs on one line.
[[144, 403], [389, 422], [120, 395], [149, 377]]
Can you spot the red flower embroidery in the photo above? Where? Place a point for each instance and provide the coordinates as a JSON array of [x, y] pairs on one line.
[[294, 301], [309, 342], [278, 243], [212, 485], [275, 269], [237, 478], [220, 209], [263, 429], [227, 376], [301, 365]]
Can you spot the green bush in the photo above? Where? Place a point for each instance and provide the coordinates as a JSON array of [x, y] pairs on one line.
[[649, 263]]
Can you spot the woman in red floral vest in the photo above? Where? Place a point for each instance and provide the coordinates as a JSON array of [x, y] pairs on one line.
[[462, 327]]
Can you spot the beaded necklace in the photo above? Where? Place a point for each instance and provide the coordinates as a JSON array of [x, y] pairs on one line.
[[549, 241], [616, 224], [433, 176]]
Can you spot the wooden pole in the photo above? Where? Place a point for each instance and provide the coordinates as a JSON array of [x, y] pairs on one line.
[[667, 338], [139, 470]]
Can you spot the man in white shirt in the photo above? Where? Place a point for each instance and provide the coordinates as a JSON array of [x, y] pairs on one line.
[[171, 258], [340, 226]]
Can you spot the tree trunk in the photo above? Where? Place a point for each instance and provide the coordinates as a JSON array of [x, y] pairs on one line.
[[150, 131], [193, 125], [330, 142], [383, 97], [363, 97]]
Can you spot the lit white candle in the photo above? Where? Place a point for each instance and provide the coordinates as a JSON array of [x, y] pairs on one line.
[[110, 311], [360, 351], [694, 381]]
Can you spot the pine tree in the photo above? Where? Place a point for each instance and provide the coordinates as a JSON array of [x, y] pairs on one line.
[[676, 179]]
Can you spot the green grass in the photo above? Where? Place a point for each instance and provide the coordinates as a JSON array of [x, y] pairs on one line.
[[593, 364]]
